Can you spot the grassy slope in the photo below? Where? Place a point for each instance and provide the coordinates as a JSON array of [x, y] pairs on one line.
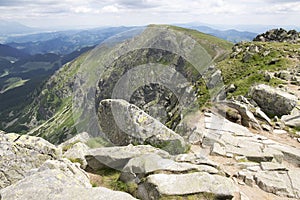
[[244, 72], [61, 124]]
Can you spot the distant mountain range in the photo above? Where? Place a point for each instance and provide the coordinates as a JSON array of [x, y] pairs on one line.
[[9, 28], [231, 35], [62, 42]]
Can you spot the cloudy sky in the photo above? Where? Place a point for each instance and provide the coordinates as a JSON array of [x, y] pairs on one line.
[[54, 13]]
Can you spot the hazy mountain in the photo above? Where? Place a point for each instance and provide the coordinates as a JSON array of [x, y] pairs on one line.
[[62, 42], [231, 35], [9, 28]]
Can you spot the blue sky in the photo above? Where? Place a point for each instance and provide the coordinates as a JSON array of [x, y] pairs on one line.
[[72, 13]]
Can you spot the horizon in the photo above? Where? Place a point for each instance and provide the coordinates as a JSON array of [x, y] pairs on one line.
[[71, 14]]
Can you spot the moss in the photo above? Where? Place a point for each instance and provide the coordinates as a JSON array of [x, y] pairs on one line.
[[76, 160], [69, 146], [110, 179], [97, 142]]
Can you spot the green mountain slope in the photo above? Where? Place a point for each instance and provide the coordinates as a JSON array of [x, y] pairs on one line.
[[52, 115]]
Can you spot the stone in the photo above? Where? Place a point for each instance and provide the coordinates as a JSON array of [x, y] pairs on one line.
[[290, 154], [295, 182], [77, 153], [81, 137], [291, 120], [118, 157], [261, 115], [253, 154], [60, 180], [279, 132], [151, 163], [21, 153], [271, 166], [163, 185], [219, 125], [218, 150], [266, 127], [248, 118], [272, 182], [282, 102], [245, 165], [197, 159], [124, 123]]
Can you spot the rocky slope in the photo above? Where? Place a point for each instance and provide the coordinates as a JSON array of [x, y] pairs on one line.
[[243, 144], [51, 115]]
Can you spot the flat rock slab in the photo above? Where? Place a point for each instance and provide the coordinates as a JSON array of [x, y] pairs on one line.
[[291, 154], [159, 185], [271, 166], [118, 157], [146, 164]]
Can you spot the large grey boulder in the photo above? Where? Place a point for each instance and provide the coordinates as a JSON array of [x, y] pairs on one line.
[[60, 180], [164, 185], [124, 123], [273, 101], [21, 153], [118, 157]]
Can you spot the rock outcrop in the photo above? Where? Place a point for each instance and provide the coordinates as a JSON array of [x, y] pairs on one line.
[[279, 35], [273, 101], [124, 123], [21, 153], [59, 179]]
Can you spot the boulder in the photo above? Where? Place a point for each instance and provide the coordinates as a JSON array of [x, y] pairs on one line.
[[81, 137], [164, 185], [248, 118], [265, 96], [124, 123], [21, 153], [292, 120], [77, 153], [60, 180], [118, 157]]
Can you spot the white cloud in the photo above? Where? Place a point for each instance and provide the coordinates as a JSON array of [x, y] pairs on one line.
[[110, 9], [131, 12], [81, 9]]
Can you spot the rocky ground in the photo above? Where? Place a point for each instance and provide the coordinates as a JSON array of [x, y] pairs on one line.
[[225, 160], [243, 147]]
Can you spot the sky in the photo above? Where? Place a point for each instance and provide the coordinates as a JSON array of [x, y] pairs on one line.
[[79, 13]]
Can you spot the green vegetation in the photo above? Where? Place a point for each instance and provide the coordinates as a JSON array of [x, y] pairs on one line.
[[213, 45], [5, 73], [110, 179], [76, 160], [12, 83], [249, 65], [97, 142], [69, 146]]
